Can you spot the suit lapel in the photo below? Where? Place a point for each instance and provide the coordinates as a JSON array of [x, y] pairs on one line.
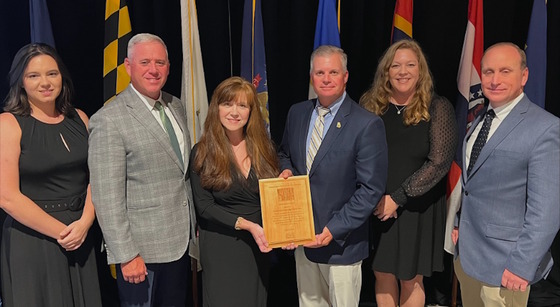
[[336, 127], [179, 114], [506, 127], [140, 112], [303, 129], [467, 136]]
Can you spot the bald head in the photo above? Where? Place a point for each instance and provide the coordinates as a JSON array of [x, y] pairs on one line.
[[504, 73], [522, 56]]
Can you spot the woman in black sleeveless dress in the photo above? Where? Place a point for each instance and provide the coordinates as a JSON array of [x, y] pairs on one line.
[[47, 259]]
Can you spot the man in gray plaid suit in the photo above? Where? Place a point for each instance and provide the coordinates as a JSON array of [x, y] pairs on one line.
[[139, 147]]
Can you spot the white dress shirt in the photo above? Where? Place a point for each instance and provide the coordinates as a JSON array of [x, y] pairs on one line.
[[501, 114]]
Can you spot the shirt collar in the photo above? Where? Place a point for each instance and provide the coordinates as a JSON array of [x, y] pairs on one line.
[[503, 110], [147, 100], [335, 105]]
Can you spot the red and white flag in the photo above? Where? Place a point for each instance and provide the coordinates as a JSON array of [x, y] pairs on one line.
[[470, 103]]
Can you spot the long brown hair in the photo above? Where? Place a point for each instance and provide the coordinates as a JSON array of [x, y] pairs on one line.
[[215, 160], [376, 99]]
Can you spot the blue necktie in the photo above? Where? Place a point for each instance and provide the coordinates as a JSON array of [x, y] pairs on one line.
[[481, 139]]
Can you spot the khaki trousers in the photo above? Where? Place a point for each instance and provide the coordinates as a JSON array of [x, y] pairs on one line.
[[325, 285], [475, 293]]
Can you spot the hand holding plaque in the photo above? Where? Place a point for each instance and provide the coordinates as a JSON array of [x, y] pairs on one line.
[[287, 213]]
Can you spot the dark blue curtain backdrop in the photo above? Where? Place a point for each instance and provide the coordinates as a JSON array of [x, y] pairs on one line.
[[289, 26]]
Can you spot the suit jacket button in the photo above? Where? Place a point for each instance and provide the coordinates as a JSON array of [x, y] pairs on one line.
[[185, 203], [466, 193]]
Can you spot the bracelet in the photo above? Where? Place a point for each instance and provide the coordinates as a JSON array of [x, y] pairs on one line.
[[238, 223]]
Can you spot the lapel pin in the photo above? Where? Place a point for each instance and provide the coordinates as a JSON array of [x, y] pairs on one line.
[[338, 125]]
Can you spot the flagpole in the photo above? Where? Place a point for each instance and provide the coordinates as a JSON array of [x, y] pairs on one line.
[[230, 40]]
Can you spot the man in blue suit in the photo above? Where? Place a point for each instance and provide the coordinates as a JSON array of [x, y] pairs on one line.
[[346, 160], [510, 209]]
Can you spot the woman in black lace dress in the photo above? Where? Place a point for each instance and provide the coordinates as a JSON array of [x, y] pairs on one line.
[[47, 259], [421, 137]]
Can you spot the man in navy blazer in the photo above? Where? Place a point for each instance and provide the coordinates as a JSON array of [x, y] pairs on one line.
[[347, 179], [510, 209]]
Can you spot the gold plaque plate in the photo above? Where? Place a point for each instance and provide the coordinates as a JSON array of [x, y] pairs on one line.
[[287, 213]]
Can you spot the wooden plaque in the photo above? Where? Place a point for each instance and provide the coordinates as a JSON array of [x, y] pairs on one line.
[[286, 211]]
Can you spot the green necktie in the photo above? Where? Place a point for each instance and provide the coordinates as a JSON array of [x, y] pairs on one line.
[[169, 129]]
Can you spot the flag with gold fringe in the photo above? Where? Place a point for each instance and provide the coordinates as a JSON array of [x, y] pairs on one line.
[[193, 88], [117, 34], [253, 59]]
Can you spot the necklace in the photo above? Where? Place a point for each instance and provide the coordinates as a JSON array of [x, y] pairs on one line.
[[399, 111], [244, 163], [235, 148]]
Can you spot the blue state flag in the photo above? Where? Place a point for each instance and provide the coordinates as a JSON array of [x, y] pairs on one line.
[[253, 60], [40, 21], [326, 29], [536, 54]]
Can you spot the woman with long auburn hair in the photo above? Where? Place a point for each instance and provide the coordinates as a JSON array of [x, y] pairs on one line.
[[234, 152]]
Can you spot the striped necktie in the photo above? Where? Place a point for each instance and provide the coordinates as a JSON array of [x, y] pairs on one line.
[[169, 129], [316, 135]]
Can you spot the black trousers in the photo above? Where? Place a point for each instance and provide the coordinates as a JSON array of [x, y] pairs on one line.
[[167, 284]]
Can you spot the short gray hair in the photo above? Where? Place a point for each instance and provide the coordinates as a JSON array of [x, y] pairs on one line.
[[143, 38], [328, 50]]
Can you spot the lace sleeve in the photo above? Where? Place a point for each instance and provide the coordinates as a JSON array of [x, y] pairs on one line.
[[443, 143]]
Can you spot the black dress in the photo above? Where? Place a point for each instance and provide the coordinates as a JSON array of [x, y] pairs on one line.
[[36, 270], [419, 158], [234, 271]]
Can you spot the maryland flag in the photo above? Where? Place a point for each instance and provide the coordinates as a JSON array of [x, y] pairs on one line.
[[117, 34]]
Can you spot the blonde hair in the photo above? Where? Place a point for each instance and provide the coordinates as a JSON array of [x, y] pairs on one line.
[[215, 159], [376, 99]]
